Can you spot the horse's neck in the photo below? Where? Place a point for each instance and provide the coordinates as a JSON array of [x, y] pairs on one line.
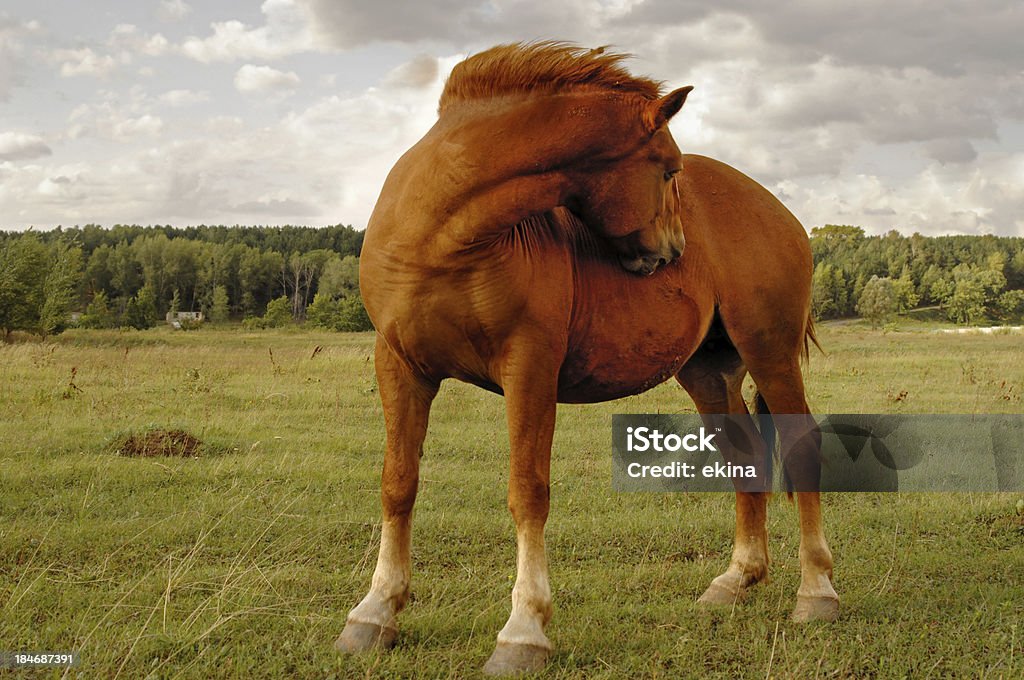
[[487, 167]]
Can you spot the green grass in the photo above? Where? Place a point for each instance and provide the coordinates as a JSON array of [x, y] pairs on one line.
[[244, 562]]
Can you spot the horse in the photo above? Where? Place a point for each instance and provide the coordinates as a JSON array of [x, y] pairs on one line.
[[547, 240]]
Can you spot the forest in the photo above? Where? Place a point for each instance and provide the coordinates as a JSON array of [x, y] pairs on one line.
[[132, 276], [969, 279]]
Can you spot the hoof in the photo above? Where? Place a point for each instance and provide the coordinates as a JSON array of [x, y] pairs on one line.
[[719, 596], [362, 637], [509, 659], [815, 609]]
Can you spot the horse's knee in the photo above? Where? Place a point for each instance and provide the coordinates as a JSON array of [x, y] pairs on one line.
[[398, 495], [529, 500]]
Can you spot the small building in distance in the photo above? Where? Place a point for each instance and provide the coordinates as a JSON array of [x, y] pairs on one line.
[[177, 319]]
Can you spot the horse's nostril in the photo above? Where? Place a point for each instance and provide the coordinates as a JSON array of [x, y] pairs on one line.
[[662, 262]]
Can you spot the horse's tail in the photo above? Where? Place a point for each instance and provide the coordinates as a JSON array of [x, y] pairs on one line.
[[809, 337], [766, 426]]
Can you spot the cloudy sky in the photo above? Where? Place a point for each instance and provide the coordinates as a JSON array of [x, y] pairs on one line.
[[905, 114]]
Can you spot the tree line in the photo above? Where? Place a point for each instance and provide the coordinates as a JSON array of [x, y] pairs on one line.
[[131, 276], [969, 279]]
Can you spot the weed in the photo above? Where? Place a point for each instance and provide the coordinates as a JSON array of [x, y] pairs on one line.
[[71, 389]]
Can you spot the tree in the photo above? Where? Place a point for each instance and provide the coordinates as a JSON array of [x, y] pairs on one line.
[[1015, 269], [976, 292], [23, 267], [60, 288], [878, 301], [903, 288], [1011, 305], [841, 293], [322, 312], [219, 310], [140, 312], [279, 313], [967, 304], [125, 272], [942, 290], [823, 292], [98, 314], [248, 304], [352, 315], [340, 277], [858, 289], [97, 272], [257, 277], [302, 270], [145, 300], [931, 275]]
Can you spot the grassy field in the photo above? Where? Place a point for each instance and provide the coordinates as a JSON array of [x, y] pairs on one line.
[[244, 561]]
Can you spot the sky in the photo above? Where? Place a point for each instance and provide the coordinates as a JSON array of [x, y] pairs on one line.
[[894, 114]]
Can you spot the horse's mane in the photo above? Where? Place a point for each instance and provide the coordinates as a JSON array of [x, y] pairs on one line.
[[541, 66]]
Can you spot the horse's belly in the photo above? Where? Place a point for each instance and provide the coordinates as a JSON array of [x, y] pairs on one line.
[[578, 385], [631, 335]]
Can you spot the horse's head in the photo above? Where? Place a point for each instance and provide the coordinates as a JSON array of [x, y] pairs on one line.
[[630, 196]]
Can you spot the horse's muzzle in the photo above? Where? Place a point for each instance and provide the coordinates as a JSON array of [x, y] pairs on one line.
[[647, 264]]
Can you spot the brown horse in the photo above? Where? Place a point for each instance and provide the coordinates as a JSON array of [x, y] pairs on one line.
[[529, 244]]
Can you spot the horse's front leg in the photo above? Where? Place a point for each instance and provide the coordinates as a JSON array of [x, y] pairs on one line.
[[406, 400], [530, 383]]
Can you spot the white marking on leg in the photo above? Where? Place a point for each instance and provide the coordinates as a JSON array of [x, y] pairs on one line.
[[389, 588], [531, 596]]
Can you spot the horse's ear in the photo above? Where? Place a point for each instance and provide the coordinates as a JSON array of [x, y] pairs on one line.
[[660, 111]]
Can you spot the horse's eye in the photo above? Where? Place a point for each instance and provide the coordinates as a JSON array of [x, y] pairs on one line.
[[669, 174]]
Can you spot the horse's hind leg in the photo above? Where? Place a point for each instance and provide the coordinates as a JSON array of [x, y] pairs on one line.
[[714, 377], [782, 388], [406, 400]]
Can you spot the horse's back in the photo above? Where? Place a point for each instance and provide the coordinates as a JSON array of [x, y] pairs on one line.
[[733, 217]]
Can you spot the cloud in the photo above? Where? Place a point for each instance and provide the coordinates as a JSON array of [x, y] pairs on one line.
[[127, 37], [980, 197], [183, 97], [943, 37], [112, 121], [146, 125], [951, 151], [124, 42], [261, 79], [349, 23], [322, 163], [343, 24], [15, 146], [173, 10], [84, 62], [285, 32], [60, 188], [420, 72], [270, 207], [14, 35]]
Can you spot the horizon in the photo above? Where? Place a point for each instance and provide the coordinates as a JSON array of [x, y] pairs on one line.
[[182, 227]]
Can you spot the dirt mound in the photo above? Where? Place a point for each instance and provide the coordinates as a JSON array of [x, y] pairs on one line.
[[160, 443]]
